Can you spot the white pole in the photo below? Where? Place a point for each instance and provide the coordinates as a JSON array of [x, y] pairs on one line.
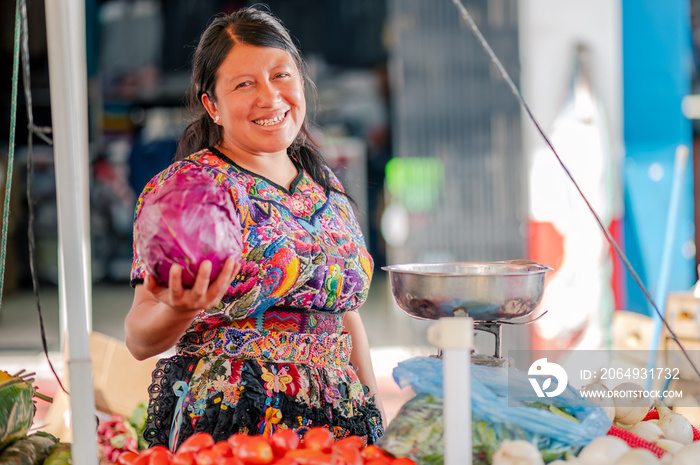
[[455, 335], [65, 27]]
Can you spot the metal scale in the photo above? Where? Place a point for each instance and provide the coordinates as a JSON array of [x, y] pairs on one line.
[[491, 293], [464, 297]]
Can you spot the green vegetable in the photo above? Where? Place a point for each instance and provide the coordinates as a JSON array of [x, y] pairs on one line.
[[60, 455], [28, 450]]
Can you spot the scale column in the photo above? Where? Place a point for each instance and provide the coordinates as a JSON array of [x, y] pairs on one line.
[[455, 337]]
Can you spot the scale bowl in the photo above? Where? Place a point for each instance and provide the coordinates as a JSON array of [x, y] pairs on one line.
[[486, 291]]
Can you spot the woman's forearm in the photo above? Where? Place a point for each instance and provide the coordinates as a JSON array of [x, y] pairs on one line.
[[152, 327]]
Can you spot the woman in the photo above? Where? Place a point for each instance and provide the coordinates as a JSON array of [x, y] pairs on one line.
[[275, 340]]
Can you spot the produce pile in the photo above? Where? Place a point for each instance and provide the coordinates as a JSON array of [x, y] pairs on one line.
[[118, 434], [17, 409], [283, 447]]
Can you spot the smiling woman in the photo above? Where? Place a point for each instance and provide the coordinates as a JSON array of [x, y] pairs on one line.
[[275, 340]]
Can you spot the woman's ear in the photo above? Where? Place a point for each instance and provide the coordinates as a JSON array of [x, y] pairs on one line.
[[210, 106]]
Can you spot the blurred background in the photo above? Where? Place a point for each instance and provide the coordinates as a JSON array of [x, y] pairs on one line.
[[423, 131]]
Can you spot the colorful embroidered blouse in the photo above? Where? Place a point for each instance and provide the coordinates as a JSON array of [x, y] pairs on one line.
[[302, 247]]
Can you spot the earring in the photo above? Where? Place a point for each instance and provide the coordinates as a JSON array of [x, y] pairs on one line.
[[217, 119]]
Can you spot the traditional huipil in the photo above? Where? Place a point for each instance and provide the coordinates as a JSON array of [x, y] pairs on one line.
[[273, 353]]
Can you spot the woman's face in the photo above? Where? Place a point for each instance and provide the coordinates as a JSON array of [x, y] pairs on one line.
[[259, 99]]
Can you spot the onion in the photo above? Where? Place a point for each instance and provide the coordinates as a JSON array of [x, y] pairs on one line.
[[688, 455], [637, 457], [675, 427], [669, 445], [517, 452], [631, 407], [602, 450], [647, 431], [603, 401]]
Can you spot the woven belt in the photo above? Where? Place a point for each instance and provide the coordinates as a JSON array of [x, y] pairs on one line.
[[292, 320], [273, 346]]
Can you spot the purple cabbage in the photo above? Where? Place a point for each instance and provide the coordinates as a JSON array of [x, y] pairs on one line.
[[188, 220]]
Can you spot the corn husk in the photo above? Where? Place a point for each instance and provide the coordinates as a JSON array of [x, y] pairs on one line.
[[16, 408]]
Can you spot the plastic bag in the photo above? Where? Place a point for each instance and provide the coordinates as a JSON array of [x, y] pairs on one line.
[[500, 410]]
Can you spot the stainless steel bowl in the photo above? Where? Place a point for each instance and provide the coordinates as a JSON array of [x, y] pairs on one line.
[[486, 291]]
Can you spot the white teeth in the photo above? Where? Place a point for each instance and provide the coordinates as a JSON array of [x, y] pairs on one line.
[[269, 122]]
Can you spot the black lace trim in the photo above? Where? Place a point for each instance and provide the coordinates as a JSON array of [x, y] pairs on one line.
[[360, 420]]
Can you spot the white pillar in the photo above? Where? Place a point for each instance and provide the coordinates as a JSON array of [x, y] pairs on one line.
[[65, 27]]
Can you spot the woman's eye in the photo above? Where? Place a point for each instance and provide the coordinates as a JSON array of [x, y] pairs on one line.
[[243, 84], [282, 75]]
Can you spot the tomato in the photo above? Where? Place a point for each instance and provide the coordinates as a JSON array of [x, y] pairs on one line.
[[379, 461], [236, 440], [228, 461], [196, 442], [206, 457], [309, 457], [160, 455], [403, 461], [127, 458], [351, 442], [253, 450], [286, 460], [372, 452], [183, 458], [347, 456], [284, 440], [142, 459], [223, 448], [156, 455], [318, 438]]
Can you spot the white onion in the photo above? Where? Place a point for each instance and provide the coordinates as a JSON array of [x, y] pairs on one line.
[[647, 431], [637, 457], [517, 452], [630, 410], [669, 445], [688, 455], [604, 401], [675, 427], [602, 450]]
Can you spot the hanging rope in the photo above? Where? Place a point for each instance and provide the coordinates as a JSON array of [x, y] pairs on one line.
[[11, 152], [22, 37]]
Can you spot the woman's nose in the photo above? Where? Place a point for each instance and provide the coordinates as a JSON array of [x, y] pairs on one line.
[[268, 94]]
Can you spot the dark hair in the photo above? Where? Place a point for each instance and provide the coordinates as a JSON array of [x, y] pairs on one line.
[[253, 27]]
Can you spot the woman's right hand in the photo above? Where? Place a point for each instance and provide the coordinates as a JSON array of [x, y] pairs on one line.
[[203, 294], [159, 315]]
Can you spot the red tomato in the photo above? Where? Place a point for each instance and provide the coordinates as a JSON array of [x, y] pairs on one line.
[[351, 442], [347, 456], [236, 440], [372, 452], [379, 461], [402, 461], [196, 442], [206, 457], [284, 440], [142, 459], [285, 461], [309, 457], [318, 438], [183, 458], [159, 455], [228, 461], [127, 458], [223, 448], [253, 450]]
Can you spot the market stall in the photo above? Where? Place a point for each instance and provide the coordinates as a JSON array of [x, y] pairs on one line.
[[468, 407]]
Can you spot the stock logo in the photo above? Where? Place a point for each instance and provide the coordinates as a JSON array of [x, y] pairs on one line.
[[542, 368]]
